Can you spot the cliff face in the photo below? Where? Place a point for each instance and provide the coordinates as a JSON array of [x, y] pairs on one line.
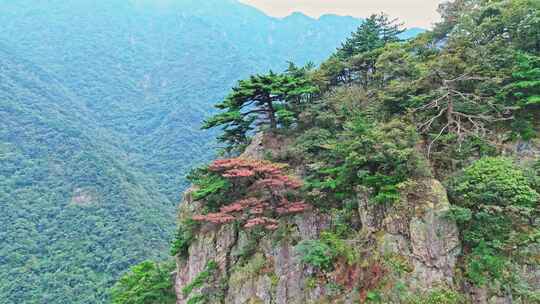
[[414, 236], [407, 248], [416, 231]]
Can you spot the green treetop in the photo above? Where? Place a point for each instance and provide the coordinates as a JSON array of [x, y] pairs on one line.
[[374, 33], [146, 283], [523, 93]]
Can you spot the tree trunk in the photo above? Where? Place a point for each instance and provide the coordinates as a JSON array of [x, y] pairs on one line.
[[450, 114], [272, 116]]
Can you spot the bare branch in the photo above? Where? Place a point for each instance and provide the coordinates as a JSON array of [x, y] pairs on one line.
[[458, 121], [427, 124], [436, 138], [433, 104]]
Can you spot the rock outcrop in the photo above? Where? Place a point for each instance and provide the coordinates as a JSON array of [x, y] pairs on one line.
[[415, 228], [405, 248]]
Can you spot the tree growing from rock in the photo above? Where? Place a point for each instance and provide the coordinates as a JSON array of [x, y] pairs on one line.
[[269, 193], [260, 102]]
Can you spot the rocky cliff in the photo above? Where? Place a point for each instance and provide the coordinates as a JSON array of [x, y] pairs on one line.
[[407, 248]]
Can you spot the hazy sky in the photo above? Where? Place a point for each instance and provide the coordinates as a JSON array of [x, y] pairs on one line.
[[421, 13]]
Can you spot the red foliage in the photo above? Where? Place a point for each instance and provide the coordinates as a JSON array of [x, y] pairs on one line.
[[216, 218], [279, 181], [267, 185], [347, 275], [285, 207], [243, 167], [372, 276], [236, 207], [238, 173], [268, 223]]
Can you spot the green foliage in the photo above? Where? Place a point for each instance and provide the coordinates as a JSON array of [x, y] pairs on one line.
[[485, 265], [524, 92], [339, 246], [271, 100], [495, 202], [374, 33], [525, 86], [494, 181], [255, 265], [437, 296], [323, 252], [533, 174], [145, 283], [311, 283], [376, 156], [344, 219], [459, 214], [202, 278], [450, 155], [285, 118], [184, 237], [466, 79], [374, 297], [333, 289], [399, 264], [210, 186], [336, 107], [316, 253], [198, 299]]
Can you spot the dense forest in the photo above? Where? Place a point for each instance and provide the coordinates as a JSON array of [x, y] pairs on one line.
[[73, 213], [383, 126], [100, 108]]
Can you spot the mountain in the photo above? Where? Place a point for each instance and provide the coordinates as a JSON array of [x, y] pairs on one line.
[[100, 108], [395, 172], [74, 213], [412, 33], [150, 70]]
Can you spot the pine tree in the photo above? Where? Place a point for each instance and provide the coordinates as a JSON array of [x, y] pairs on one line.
[[374, 33], [523, 94], [260, 102]]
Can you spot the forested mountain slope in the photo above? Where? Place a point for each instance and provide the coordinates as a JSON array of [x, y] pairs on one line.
[[100, 108], [72, 208]]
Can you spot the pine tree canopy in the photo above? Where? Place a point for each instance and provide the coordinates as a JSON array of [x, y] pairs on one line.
[[374, 33], [268, 101]]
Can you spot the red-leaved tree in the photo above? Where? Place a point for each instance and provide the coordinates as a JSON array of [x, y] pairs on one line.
[[268, 194]]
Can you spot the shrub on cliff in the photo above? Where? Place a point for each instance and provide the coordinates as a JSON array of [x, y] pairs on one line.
[[316, 253], [183, 238], [437, 296], [258, 192], [377, 156], [147, 282], [494, 181], [495, 206]]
